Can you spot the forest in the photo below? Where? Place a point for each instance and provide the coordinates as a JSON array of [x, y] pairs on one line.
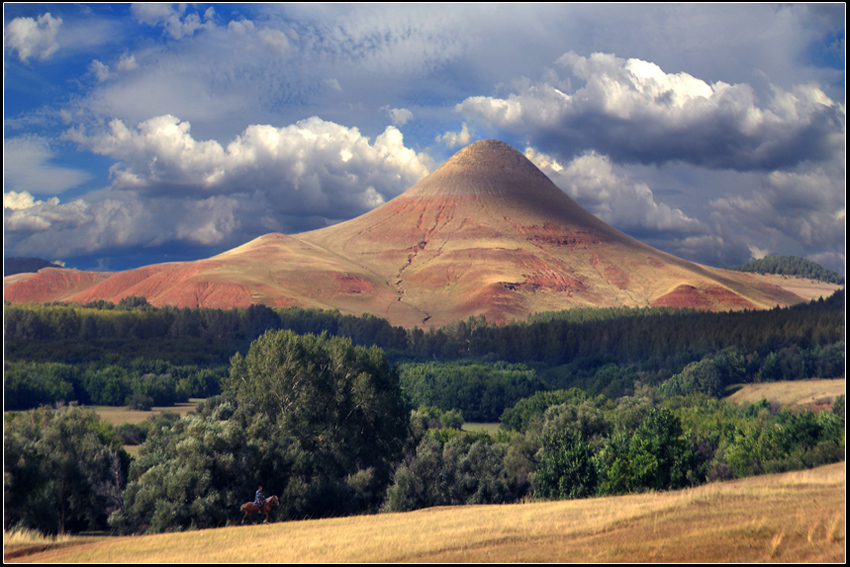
[[338, 414]]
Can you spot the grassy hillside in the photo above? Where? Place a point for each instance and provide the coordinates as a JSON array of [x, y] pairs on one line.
[[791, 517]]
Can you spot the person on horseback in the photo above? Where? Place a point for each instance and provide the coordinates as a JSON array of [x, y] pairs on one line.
[[259, 499]]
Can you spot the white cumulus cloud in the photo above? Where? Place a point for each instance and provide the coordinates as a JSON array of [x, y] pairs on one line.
[[32, 37], [23, 212], [400, 116], [173, 18], [455, 139], [612, 196], [168, 186], [633, 111]]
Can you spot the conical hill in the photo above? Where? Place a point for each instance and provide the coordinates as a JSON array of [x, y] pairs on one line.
[[487, 233]]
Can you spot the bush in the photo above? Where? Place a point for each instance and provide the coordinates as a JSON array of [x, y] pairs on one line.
[[139, 402]]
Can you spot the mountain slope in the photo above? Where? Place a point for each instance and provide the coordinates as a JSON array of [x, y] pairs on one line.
[[485, 234]]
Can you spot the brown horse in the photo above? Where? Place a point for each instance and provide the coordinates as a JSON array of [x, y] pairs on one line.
[[250, 508]]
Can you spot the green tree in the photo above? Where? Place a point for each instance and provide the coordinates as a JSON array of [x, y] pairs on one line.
[[463, 470], [654, 456], [63, 470], [566, 469], [340, 401]]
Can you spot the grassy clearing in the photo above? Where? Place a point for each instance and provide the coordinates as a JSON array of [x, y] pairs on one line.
[[798, 393], [117, 415], [792, 517], [491, 428]]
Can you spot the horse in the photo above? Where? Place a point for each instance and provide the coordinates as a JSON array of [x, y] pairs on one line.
[[250, 508]]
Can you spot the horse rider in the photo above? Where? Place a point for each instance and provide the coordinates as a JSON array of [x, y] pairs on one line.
[[259, 499]]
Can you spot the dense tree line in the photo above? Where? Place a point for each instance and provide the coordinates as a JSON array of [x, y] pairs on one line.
[[598, 401], [552, 338], [480, 390], [322, 424], [139, 384], [791, 266], [600, 350], [593, 446]]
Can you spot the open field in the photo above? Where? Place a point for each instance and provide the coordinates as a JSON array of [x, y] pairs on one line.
[[797, 393], [491, 428], [117, 415], [791, 517]]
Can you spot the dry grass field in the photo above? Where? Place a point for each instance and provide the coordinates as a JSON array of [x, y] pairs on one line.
[[791, 517], [798, 393]]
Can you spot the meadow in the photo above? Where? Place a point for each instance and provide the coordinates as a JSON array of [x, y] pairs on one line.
[[791, 517]]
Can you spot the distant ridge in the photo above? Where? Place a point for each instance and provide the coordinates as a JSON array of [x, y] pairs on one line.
[[486, 234], [12, 266]]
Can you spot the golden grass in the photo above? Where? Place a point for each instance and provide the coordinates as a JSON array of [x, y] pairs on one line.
[[792, 517], [471, 426], [19, 542], [793, 393], [117, 415]]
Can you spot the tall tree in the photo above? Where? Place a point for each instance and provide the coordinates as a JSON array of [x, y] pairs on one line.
[[339, 400]]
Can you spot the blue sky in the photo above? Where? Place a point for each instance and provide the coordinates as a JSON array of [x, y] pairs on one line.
[[138, 134]]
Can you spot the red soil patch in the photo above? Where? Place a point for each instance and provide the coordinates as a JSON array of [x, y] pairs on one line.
[[682, 296], [50, 284], [711, 299], [617, 277], [201, 293], [548, 277], [554, 235], [728, 298], [155, 283], [497, 302]]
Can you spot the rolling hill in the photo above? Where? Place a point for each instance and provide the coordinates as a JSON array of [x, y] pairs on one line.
[[487, 233]]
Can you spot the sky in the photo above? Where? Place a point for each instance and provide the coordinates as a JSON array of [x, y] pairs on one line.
[[136, 134]]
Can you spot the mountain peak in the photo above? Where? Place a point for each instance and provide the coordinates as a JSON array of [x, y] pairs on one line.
[[484, 150], [486, 168]]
